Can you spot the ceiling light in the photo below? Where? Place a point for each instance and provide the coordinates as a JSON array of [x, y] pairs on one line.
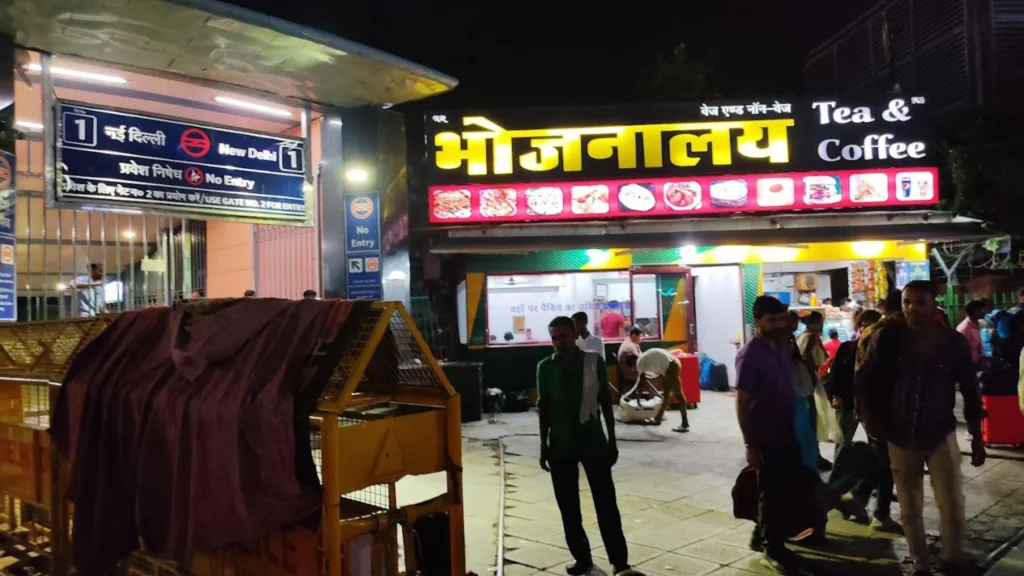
[[36, 126], [357, 175], [688, 254], [868, 249], [79, 74], [598, 257], [129, 234], [262, 108], [61, 286], [396, 275]]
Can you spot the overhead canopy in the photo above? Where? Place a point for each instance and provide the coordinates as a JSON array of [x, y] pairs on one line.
[[741, 230], [218, 42]]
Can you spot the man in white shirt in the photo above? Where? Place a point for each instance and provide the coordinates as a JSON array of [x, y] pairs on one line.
[[90, 292], [584, 339], [658, 363]]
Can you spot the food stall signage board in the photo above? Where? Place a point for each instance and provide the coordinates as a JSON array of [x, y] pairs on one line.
[[8, 272], [684, 196], [363, 247], [688, 139], [128, 159]]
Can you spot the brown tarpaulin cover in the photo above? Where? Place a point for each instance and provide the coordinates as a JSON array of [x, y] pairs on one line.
[[185, 425]]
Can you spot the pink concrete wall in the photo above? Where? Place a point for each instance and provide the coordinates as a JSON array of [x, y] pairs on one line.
[[286, 256], [229, 259], [286, 261]]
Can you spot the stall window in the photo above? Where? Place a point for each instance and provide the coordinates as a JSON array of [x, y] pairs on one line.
[[520, 306]]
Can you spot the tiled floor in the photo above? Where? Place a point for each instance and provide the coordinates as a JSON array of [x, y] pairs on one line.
[[674, 494]]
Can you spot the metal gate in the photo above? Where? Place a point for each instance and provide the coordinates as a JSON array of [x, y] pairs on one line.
[[75, 263]]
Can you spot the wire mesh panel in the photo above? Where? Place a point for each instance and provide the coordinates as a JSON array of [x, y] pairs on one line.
[[360, 339], [366, 501], [408, 355], [45, 348]]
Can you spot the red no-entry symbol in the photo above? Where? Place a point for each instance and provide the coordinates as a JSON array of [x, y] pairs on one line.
[[195, 143], [194, 176]]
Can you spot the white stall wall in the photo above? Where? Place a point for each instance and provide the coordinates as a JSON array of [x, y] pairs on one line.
[[718, 302], [780, 277], [540, 297]]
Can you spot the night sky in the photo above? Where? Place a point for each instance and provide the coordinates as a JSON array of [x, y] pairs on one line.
[[552, 52]]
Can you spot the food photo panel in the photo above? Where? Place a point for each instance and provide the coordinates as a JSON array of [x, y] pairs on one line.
[[775, 192], [682, 195], [869, 188], [544, 201], [635, 197]]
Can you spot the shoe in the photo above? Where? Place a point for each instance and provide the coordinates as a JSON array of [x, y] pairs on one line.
[[824, 465], [851, 506], [578, 568], [887, 525], [962, 568], [627, 571], [782, 561], [681, 429], [816, 540], [756, 542]]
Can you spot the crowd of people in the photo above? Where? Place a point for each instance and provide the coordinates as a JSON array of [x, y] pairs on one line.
[[897, 378]]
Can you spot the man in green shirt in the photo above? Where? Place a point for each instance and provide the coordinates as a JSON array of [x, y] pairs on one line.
[[572, 394]]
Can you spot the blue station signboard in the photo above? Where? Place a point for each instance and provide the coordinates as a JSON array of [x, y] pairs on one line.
[[362, 247], [8, 271], [132, 160]]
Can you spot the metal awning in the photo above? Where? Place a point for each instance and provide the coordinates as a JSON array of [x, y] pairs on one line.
[[921, 226], [218, 42]]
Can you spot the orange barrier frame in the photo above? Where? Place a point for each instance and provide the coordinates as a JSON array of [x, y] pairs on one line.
[[371, 434]]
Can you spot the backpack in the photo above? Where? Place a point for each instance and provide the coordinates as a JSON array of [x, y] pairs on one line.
[[838, 382]]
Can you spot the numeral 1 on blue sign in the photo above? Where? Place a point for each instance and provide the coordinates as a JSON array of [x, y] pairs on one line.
[[79, 129]]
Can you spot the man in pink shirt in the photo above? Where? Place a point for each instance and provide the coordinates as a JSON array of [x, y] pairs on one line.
[[971, 329]]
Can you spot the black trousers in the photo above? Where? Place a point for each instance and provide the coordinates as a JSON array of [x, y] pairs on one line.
[[779, 469], [565, 476], [881, 480]]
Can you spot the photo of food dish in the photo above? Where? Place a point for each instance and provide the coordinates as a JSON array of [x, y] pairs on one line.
[[775, 192], [682, 195], [868, 188], [498, 202], [590, 199], [915, 186], [821, 190], [546, 201], [729, 193], [452, 204], [636, 197]]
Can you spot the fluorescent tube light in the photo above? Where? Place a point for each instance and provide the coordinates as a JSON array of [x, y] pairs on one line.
[[262, 108]]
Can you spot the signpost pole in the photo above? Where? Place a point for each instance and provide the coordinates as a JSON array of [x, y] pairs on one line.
[[49, 177]]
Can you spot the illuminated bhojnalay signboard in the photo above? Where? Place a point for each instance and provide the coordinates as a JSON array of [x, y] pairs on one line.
[[605, 163]]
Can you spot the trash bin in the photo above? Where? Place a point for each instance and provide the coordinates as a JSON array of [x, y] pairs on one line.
[[1003, 423], [468, 380]]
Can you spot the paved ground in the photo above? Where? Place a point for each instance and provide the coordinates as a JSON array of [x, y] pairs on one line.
[[674, 494], [1010, 565]]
